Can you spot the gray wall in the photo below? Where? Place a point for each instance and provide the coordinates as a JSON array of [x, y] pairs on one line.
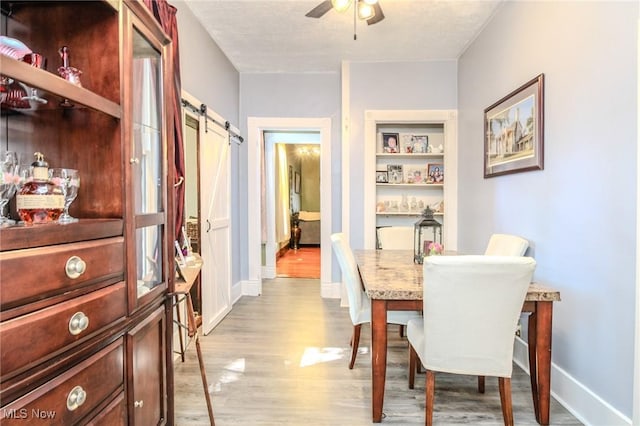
[[391, 85], [291, 95], [579, 212], [208, 75]]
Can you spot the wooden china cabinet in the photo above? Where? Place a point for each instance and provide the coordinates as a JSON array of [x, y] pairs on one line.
[[85, 335]]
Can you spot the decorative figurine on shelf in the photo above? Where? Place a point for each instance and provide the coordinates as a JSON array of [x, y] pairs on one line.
[[69, 73]]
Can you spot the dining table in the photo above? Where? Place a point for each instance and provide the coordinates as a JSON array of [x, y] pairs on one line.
[[393, 282]]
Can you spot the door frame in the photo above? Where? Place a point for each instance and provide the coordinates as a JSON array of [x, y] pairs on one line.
[[255, 128]]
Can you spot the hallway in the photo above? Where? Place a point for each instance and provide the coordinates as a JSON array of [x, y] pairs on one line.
[[301, 263]]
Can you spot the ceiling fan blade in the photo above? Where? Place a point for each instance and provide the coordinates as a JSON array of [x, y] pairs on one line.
[[320, 9], [379, 16]]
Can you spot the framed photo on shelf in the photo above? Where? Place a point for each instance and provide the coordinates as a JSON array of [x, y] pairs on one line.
[[420, 144], [435, 173], [390, 143], [382, 176], [394, 172], [414, 175], [514, 131]]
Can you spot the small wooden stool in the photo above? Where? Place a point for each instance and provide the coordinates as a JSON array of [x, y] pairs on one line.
[[182, 293]]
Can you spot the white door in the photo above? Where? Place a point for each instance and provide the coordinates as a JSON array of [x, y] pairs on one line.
[[215, 224]]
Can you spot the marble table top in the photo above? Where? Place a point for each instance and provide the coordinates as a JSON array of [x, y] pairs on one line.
[[392, 275]]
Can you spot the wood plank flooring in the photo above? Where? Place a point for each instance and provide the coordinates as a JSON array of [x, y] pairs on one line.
[[301, 263], [281, 359]]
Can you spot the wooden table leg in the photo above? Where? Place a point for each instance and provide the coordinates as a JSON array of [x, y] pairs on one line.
[[540, 365], [378, 356]]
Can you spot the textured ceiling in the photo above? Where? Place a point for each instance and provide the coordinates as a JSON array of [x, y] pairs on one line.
[[275, 36]]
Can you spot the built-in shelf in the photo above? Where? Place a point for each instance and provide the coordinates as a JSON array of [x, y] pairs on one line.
[[405, 214], [404, 156], [410, 185]]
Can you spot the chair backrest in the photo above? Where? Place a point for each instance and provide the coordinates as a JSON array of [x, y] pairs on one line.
[[471, 309], [350, 273], [506, 245], [395, 238]]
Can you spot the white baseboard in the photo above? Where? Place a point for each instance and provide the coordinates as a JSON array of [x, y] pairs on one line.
[[579, 400], [268, 272], [250, 288]]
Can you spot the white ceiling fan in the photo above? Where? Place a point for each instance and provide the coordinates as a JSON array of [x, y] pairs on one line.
[[368, 10]]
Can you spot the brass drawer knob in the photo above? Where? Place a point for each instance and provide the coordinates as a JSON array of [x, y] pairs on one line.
[[76, 398], [138, 404], [75, 267], [78, 323]]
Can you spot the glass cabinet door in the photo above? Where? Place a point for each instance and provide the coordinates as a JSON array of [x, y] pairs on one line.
[[147, 164]]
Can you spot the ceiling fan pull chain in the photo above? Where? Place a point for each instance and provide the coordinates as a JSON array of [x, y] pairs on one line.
[[355, 15]]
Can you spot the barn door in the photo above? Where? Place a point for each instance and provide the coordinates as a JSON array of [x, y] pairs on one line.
[[215, 225]]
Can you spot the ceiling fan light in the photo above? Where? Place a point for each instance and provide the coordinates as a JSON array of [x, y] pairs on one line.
[[341, 5], [365, 10]]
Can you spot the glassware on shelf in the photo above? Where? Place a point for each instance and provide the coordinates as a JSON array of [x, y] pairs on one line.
[[69, 73], [69, 182], [40, 200], [38, 61], [8, 164]]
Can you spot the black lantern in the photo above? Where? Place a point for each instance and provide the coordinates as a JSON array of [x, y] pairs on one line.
[[427, 230]]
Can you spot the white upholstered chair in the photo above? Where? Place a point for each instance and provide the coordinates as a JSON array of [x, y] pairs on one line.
[[471, 309], [503, 245], [395, 237], [359, 303], [506, 245]]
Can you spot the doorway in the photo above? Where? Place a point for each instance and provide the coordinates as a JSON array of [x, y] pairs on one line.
[[256, 149], [296, 196]]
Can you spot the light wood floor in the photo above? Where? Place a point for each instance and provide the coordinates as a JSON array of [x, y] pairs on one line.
[[281, 359]]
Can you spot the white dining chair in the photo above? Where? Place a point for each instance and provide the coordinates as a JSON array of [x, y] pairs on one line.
[[471, 309], [395, 237], [503, 245], [506, 245], [359, 303]]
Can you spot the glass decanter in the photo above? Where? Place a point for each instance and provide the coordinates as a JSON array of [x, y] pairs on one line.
[[40, 200]]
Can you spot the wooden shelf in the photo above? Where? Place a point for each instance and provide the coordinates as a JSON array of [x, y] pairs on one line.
[[22, 237], [55, 85]]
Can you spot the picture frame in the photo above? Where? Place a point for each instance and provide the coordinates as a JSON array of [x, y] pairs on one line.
[[390, 143], [514, 131], [382, 176], [395, 173], [296, 185], [435, 173], [420, 144], [414, 175]]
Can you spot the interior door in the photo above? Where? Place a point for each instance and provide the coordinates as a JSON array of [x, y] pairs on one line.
[[215, 225]]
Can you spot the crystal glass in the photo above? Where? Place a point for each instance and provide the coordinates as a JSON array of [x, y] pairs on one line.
[[69, 181], [8, 181], [38, 61]]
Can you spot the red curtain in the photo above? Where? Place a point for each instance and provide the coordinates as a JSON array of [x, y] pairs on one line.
[[165, 14]]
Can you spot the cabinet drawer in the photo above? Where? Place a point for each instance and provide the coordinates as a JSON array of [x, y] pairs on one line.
[[114, 415], [42, 334], [33, 274], [68, 398]]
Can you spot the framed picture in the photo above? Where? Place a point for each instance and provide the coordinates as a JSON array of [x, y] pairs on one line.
[[414, 175], [296, 185], [382, 176], [420, 143], [390, 143], [514, 131], [394, 172], [435, 173]]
